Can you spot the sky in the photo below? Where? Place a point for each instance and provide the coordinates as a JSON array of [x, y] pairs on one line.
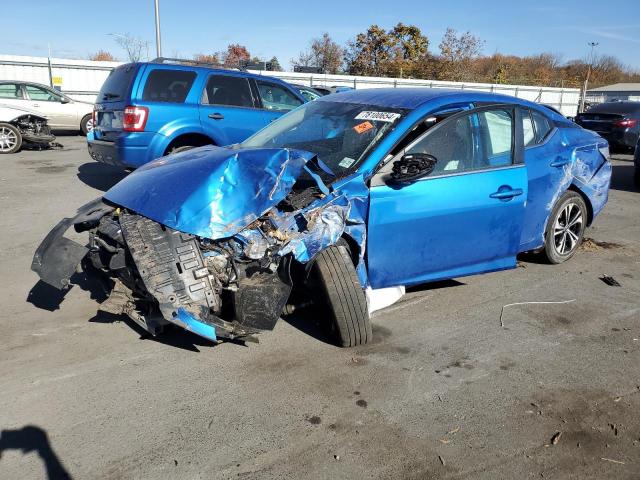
[[75, 29]]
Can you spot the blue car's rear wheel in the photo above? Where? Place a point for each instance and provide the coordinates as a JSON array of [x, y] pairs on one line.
[[565, 228]]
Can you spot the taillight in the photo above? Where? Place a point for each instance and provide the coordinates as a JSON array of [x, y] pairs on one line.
[[627, 123], [135, 119]]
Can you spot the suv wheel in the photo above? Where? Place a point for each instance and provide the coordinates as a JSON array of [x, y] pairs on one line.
[[342, 295], [565, 228], [10, 138]]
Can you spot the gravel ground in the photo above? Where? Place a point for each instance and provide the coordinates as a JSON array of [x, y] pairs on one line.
[[444, 391]]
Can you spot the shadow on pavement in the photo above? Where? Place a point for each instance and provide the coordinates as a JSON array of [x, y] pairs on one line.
[[45, 297], [99, 175], [622, 178], [34, 439]]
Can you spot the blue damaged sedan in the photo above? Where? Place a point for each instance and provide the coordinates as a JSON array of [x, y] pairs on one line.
[[339, 204]]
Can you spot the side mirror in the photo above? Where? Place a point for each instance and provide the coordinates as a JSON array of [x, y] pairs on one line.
[[412, 167], [64, 100]]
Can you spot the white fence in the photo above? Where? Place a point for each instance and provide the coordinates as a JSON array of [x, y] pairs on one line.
[[82, 79]]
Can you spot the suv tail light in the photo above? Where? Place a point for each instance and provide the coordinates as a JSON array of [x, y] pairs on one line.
[[626, 123], [135, 119]]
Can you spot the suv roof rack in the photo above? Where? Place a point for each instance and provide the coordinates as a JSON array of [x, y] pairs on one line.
[[198, 63]]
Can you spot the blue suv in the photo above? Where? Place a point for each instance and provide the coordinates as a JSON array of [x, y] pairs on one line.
[[147, 110]]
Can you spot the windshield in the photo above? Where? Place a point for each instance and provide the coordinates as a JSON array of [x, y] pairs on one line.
[[340, 134]]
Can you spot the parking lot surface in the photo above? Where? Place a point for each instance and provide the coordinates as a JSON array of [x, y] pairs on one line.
[[455, 385]]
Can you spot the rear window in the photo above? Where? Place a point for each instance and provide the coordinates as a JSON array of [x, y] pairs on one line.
[[542, 125], [171, 86], [117, 85]]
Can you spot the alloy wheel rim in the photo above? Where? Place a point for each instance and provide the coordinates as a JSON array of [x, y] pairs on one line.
[[567, 229], [8, 139], [89, 125]]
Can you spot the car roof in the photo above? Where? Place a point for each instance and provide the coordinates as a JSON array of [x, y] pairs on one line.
[[412, 98], [615, 107], [204, 68]]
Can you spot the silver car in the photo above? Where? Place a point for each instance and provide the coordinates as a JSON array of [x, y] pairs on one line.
[[62, 112]]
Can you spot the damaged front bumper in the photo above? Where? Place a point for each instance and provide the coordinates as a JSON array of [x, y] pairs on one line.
[[228, 278], [158, 275]]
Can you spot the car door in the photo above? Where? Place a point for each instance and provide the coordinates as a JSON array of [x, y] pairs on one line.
[[465, 217], [228, 110], [12, 94], [60, 112], [276, 100]]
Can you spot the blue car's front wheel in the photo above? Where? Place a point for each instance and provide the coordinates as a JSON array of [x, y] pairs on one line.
[[343, 297], [565, 228]]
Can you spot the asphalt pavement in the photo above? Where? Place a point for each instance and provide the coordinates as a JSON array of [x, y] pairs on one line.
[[455, 384]]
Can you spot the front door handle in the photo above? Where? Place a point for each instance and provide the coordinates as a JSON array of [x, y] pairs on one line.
[[35, 104], [507, 193], [560, 162], [216, 116]]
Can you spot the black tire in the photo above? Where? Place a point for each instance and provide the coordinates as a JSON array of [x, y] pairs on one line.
[[636, 176], [86, 124], [565, 228], [343, 296], [10, 138]]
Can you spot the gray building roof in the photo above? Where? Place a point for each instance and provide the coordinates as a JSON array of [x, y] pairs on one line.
[[618, 87]]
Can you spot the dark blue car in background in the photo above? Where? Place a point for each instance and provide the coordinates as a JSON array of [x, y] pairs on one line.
[[147, 110]]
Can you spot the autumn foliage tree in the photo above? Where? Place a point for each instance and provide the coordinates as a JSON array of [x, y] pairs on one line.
[[102, 56]]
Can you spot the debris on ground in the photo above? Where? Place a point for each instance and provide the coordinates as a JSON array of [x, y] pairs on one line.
[[441, 459], [612, 460], [591, 245], [556, 438], [530, 303], [612, 282]]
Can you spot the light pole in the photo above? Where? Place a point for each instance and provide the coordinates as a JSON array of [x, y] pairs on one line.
[[158, 43], [593, 45]]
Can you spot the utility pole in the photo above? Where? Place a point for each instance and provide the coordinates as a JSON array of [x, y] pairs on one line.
[[593, 45], [158, 44]]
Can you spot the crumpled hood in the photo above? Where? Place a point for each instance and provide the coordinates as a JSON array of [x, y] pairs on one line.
[[210, 191]]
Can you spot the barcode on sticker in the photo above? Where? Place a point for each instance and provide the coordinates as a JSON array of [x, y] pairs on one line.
[[378, 116]]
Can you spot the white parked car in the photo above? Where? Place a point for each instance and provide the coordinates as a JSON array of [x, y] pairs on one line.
[[20, 126], [63, 112]]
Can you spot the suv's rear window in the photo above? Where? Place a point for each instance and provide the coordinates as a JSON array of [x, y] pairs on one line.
[[168, 86], [116, 86]]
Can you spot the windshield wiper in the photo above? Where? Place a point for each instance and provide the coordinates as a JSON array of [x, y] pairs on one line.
[[109, 96]]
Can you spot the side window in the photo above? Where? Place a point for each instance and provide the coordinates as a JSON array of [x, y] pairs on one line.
[[475, 141], [11, 90], [41, 94], [527, 128], [542, 125], [275, 97], [496, 138], [171, 86], [452, 145], [227, 90]]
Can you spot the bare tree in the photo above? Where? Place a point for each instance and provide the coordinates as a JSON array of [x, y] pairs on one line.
[[323, 53], [458, 52], [136, 48]]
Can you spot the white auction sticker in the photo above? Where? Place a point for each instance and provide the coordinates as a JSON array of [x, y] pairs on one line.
[[378, 116]]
